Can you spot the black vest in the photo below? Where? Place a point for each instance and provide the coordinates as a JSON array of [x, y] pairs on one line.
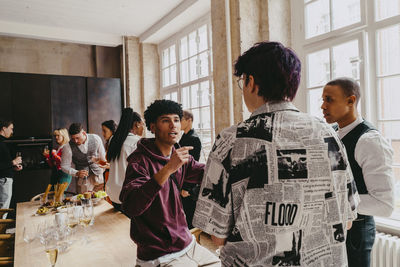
[[350, 140]]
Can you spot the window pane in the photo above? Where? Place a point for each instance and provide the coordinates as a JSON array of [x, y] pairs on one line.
[[346, 60], [390, 130], [205, 118], [174, 96], [185, 96], [173, 74], [172, 56], [165, 58], [396, 172], [184, 48], [386, 8], [318, 69], [203, 68], [345, 12], [196, 118], [314, 100], [167, 97], [194, 96], [184, 71], [166, 77], [193, 68], [396, 155], [203, 38], [205, 93], [389, 96], [192, 44], [388, 54], [317, 19]]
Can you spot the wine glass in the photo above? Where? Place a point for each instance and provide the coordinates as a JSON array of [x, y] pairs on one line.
[[86, 217], [51, 247], [73, 215]]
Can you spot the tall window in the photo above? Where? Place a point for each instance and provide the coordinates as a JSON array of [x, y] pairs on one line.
[[186, 70], [358, 39]]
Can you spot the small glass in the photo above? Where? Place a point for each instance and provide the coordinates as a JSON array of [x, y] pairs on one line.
[[29, 233]]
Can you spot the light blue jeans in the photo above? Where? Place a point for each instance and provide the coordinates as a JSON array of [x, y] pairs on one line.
[[5, 193]]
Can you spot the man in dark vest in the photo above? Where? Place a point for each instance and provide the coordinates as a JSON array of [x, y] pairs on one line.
[[370, 158], [189, 138], [79, 159]]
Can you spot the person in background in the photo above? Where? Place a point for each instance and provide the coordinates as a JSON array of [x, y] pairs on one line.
[[8, 164], [122, 144], [189, 138], [370, 156], [108, 129], [150, 194], [259, 212], [77, 159], [53, 159]]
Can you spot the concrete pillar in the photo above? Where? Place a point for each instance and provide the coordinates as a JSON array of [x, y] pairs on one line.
[[132, 73], [150, 75], [142, 74], [250, 21]]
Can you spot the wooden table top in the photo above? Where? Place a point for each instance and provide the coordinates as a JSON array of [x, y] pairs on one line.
[[110, 243]]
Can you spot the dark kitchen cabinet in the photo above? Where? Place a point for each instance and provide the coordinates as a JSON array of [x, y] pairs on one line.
[[68, 101], [103, 102], [31, 109], [5, 97]]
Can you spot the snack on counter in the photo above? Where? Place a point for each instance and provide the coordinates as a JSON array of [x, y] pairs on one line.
[[100, 194], [42, 210], [87, 195]]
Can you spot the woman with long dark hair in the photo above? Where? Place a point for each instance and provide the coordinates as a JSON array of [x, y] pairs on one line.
[[122, 144], [108, 129]]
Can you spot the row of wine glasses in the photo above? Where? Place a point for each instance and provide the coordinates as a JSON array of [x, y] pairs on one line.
[[56, 235]]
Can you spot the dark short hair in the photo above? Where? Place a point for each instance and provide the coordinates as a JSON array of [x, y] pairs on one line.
[[188, 114], [276, 70], [159, 108], [75, 128], [348, 85], [110, 124], [5, 123]]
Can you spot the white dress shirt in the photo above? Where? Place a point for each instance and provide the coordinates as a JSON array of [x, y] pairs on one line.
[[374, 154], [68, 166], [118, 167]]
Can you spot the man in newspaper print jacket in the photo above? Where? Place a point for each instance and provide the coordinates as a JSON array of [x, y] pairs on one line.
[[270, 194]]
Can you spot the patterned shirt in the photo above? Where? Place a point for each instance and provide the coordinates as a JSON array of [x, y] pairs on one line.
[[279, 188]]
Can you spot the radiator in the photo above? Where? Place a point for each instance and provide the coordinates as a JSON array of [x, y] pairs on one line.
[[386, 251]]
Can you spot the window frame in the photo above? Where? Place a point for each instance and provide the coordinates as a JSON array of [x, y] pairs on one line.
[[178, 86], [367, 30]]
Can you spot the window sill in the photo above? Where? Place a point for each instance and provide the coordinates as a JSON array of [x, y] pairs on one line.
[[389, 225]]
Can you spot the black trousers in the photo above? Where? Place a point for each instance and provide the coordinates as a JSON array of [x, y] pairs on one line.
[[360, 239]]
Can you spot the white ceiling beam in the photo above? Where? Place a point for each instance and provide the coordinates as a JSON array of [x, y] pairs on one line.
[[58, 34], [179, 9]]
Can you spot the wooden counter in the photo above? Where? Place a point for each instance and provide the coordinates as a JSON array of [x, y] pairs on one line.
[[110, 243]]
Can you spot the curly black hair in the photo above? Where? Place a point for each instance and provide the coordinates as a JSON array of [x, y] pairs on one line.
[[159, 108]]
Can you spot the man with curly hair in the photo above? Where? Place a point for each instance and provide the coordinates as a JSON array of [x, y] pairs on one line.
[[151, 193]]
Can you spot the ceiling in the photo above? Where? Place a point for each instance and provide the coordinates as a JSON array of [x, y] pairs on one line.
[[101, 22]]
